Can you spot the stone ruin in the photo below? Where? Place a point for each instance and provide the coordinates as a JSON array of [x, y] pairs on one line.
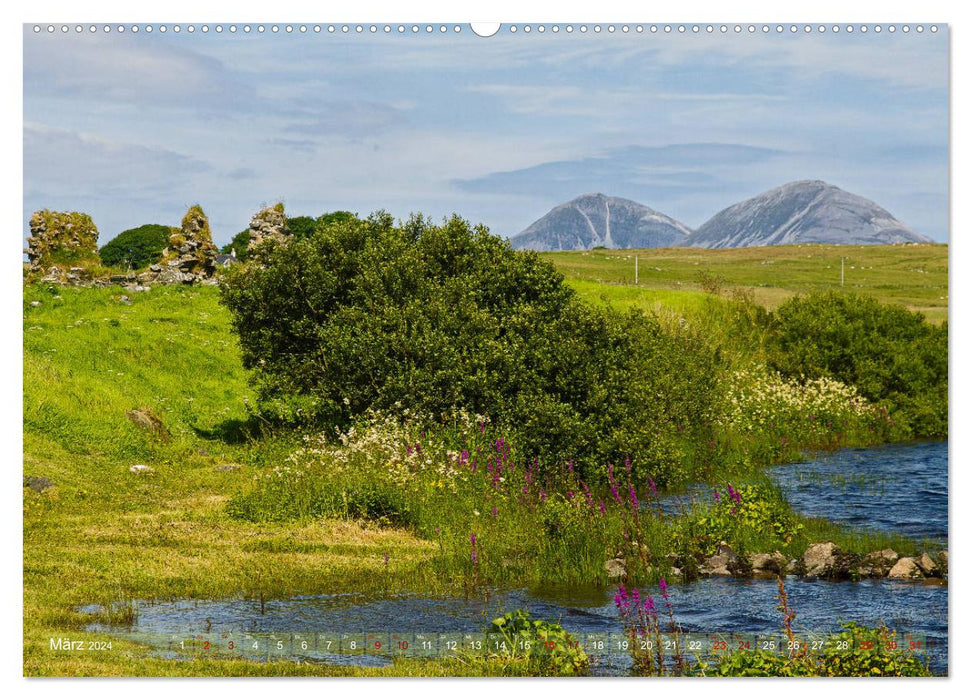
[[190, 256], [268, 224], [62, 245]]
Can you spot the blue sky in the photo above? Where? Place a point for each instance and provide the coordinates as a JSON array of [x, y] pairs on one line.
[[134, 128]]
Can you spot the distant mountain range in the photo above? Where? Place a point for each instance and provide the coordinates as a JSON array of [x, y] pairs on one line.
[[807, 211]]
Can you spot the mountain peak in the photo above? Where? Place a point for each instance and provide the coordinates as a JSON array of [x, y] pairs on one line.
[[803, 211], [595, 219]]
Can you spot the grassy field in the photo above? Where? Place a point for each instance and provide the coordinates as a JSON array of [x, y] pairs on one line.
[[103, 534], [914, 276]]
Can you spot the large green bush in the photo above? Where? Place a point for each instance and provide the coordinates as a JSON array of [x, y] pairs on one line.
[[137, 247], [893, 356], [366, 314]]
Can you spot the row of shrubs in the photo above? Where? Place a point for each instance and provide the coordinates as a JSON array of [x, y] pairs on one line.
[[369, 315]]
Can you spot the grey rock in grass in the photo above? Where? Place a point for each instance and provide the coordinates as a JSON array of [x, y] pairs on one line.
[[227, 468], [35, 303], [906, 569], [40, 484], [616, 568], [141, 469], [146, 418]]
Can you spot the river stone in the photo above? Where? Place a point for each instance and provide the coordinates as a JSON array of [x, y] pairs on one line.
[[763, 564], [721, 563], [141, 469], [38, 483], [877, 564], [926, 564], [906, 569], [615, 568], [820, 559], [942, 558]]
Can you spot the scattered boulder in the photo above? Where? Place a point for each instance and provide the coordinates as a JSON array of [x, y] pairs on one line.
[[616, 568], [768, 564], [826, 560], [40, 484], [35, 303], [819, 558], [146, 418], [724, 562], [876, 564], [141, 469], [906, 569], [942, 560], [927, 565]]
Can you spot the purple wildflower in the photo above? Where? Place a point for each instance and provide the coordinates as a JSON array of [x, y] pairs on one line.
[[495, 512], [649, 606], [663, 585], [603, 508], [627, 464], [633, 499], [569, 465], [615, 493], [542, 495], [569, 495], [482, 428], [650, 482]]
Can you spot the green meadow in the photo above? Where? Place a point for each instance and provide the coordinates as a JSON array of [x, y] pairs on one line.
[[208, 522], [914, 276]]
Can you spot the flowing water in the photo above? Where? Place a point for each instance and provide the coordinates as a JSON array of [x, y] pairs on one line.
[[901, 488]]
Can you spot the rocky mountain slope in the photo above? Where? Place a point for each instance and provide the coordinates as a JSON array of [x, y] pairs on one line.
[[807, 211], [593, 220]]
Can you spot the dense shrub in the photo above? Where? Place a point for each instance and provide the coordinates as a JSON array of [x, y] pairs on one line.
[[137, 247], [893, 356], [365, 314]]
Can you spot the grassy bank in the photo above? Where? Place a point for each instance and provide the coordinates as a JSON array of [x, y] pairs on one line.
[[234, 508]]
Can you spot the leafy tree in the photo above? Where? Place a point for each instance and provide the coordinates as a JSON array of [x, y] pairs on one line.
[[136, 247], [240, 243], [893, 356], [365, 314], [301, 226]]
